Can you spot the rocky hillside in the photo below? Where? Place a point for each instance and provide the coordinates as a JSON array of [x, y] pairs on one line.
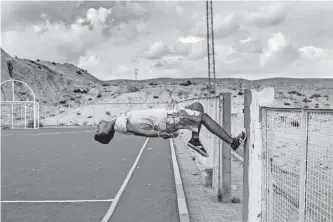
[[66, 84]]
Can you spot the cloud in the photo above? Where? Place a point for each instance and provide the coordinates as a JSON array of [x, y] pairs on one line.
[[311, 52], [98, 16], [190, 47], [279, 52], [268, 16], [87, 62], [169, 62], [65, 42], [107, 36], [157, 50], [248, 45], [17, 14], [223, 26]]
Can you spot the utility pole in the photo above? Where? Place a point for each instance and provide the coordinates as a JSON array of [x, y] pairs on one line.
[[210, 45], [136, 74], [136, 78]]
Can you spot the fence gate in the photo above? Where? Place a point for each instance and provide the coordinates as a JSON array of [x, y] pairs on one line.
[[19, 109]]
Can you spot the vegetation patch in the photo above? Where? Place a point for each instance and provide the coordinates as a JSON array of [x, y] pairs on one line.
[[295, 123], [306, 100], [188, 83], [132, 89]]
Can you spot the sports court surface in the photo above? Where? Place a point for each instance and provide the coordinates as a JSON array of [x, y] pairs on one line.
[[64, 175]]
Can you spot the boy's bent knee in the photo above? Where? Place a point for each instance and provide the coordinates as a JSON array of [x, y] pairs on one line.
[[197, 106]]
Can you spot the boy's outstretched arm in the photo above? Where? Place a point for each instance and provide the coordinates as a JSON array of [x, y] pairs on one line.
[[147, 133], [140, 132]]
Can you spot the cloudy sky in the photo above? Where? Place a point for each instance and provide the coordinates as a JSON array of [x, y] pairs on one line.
[[253, 40]]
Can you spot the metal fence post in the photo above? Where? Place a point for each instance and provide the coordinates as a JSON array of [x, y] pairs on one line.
[[104, 111], [118, 113], [34, 114], [25, 115], [57, 115], [13, 114], [38, 116], [93, 108], [303, 160]]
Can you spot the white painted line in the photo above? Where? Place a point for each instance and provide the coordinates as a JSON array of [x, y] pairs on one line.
[[66, 127], [182, 205], [55, 201], [56, 133], [121, 190]]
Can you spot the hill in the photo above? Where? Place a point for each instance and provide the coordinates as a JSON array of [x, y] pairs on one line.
[[70, 86]]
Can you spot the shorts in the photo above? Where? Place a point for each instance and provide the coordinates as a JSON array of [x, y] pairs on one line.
[[183, 119]]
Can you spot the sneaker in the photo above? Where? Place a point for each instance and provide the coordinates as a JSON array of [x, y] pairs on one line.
[[197, 146], [239, 140]]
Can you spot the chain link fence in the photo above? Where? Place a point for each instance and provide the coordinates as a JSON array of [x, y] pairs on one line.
[[90, 115], [297, 165]]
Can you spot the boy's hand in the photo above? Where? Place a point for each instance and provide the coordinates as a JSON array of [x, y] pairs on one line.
[[165, 135]]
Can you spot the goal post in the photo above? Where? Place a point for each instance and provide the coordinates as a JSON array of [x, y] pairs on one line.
[[18, 114]]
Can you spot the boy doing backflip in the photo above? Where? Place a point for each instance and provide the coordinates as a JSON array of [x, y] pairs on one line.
[[165, 123]]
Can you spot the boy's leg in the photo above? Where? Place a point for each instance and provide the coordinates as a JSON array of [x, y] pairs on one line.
[[195, 142], [218, 130], [214, 128], [197, 107]]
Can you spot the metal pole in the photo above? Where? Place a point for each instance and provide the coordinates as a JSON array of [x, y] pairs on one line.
[[12, 116], [13, 91], [34, 114], [104, 111], [25, 115], [208, 43], [303, 166], [93, 115], [118, 110], [13, 104], [38, 115], [57, 115]]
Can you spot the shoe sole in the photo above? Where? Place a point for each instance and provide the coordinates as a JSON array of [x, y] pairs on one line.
[[198, 150]]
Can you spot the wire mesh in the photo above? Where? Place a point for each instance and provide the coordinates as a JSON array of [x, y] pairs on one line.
[[282, 144], [90, 115], [319, 178], [283, 132], [18, 115]]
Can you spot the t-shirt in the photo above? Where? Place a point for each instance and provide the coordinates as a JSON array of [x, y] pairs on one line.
[[120, 124], [150, 119]]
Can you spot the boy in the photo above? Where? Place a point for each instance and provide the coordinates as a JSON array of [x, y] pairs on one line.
[[165, 123]]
